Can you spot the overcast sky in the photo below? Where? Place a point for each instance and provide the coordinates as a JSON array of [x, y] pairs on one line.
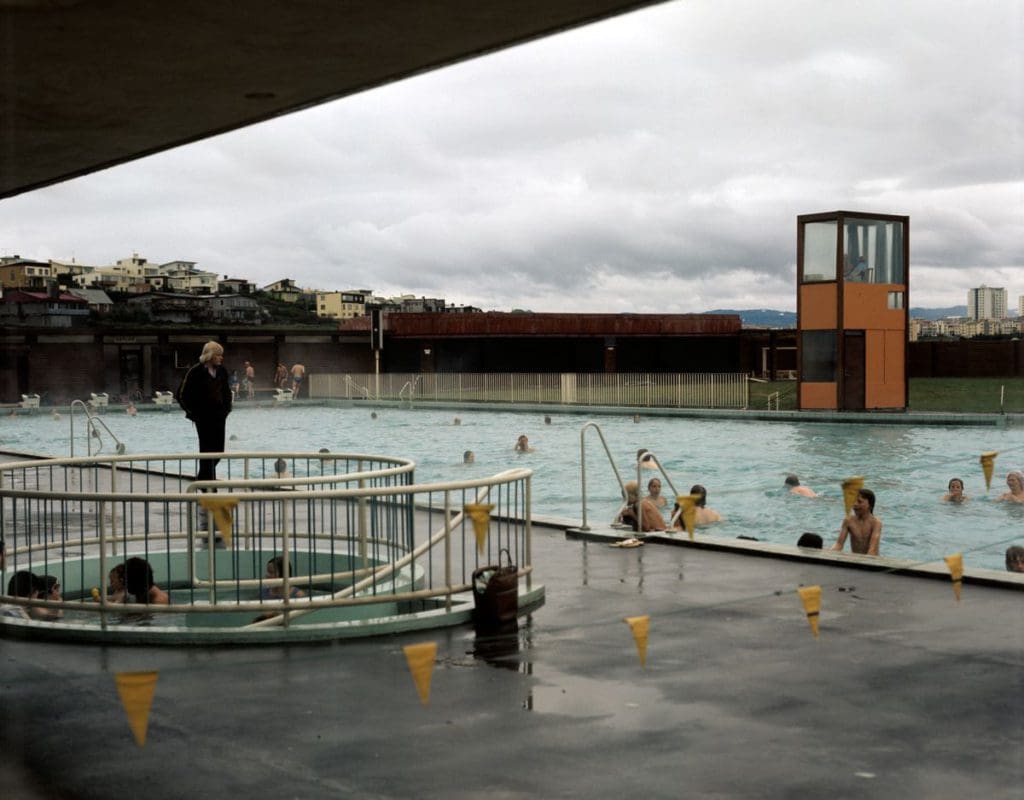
[[655, 162]]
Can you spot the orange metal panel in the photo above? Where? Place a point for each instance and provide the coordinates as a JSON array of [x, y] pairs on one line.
[[818, 395], [884, 372], [818, 306], [865, 306]]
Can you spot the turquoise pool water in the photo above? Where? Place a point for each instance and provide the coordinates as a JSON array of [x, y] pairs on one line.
[[741, 463]]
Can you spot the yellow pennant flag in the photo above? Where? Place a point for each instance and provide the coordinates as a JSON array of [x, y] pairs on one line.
[[988, 463], [420, 658], [480, 513], [640, 626], [136, 691], [222, 508], [688, 511], [810, 596], [850, 488], [955, 563]]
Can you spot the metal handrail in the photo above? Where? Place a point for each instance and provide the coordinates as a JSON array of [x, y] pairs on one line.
[[137, 484], [351, 384], [622, 485], [92, 421]]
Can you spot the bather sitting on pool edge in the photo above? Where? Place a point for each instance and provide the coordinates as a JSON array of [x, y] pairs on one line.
[[650, 518]]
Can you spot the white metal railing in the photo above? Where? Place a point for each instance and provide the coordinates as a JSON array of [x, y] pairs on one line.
[[355, 529], [94, 428], [652, 390]]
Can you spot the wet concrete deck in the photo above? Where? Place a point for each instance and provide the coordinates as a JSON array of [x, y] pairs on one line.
[[905, 694]]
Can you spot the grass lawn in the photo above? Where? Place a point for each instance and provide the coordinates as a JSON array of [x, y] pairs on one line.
[[968, 395]]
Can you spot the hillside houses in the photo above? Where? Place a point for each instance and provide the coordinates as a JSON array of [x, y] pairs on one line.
[[136, 290]]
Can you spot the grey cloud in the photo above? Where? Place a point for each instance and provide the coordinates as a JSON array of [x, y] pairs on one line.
[[671, 148]]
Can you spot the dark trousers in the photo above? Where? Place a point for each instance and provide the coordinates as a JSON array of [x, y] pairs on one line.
[[211, 440]]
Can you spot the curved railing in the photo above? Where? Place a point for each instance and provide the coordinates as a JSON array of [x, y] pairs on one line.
[[363, 541]]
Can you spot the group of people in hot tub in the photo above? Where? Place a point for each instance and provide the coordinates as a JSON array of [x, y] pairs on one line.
[[129, 582], [860, 526]]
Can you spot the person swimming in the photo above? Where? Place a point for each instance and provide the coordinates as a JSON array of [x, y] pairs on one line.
[[1015, 483], [794, 486], [705, 515], [645, 458], [468, 457], [523, 445], [955, 492]]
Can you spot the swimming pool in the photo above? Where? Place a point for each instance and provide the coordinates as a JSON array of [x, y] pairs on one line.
[[742, 463]]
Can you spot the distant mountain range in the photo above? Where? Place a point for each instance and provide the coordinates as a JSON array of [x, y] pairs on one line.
[[938, 313], [772, 318]]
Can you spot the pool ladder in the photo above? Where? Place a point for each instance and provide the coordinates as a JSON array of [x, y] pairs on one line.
[[93, 424], [641, 456]]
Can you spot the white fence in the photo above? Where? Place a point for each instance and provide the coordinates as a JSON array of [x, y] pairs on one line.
[[644, 390]]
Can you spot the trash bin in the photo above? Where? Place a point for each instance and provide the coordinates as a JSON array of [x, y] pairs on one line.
[[496, 594]]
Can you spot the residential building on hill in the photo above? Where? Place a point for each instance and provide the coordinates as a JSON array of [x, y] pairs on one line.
[[43, 309], [23, 273], [284, 290], [342, 305]]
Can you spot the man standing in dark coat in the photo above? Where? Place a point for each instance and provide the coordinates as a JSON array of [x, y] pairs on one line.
[[206, 397]]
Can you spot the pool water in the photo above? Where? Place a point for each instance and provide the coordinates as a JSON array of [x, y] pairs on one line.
[[742, 464]]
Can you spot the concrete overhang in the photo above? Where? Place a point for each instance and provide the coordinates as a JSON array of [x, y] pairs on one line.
[[88, 84]]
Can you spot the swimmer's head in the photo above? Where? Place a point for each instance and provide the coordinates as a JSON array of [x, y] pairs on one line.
[[275, 567], [792, 480], [1015, 558], [868, 495], [456, 421], [373, 415], [22, 584], [702, 495], [468, 457], [280, 466], [547, 420], [138, 578], [955, 483], [115, 579]]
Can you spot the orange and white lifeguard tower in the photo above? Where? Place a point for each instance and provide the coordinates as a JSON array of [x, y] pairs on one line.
[[852, 310]]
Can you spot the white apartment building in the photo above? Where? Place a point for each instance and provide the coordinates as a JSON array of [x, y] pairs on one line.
[[986, 302]]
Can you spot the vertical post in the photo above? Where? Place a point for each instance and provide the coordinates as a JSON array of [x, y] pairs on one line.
[[364, 521], [447, 551], [103, 572], [286, 557], [528, 544]]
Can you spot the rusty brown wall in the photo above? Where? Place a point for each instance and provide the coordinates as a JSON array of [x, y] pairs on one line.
[[967, 358]]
